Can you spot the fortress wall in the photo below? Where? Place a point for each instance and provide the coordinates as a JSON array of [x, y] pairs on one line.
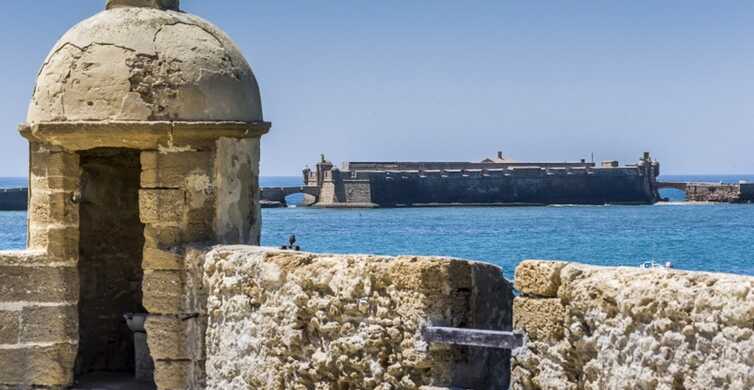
[[631, 328], [39, 287], [358, 191], [518, 185], [13, 199], [747, 191], [282, 319]]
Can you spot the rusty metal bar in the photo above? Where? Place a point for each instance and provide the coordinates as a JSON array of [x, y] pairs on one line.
[[473, 337]]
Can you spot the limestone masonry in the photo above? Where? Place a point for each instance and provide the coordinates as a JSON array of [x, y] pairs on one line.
[[628, 328], [288, 320], [144, 131]]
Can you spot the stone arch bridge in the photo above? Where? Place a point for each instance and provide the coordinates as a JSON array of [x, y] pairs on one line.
[[275, 196], [670, 184]]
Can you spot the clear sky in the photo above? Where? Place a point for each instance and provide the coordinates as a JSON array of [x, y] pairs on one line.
[[458, 80]]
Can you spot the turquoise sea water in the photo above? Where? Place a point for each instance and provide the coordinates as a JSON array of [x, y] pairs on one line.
[[707, 237]]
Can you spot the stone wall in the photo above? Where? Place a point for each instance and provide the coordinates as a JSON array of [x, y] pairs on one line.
[[13, 199], [394, 185], [514, 186], [39, 287], [706, 192], [291, 320], [630, 328], [747, 191]]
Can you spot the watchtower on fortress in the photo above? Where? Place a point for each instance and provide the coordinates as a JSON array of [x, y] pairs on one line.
[[144, 130]]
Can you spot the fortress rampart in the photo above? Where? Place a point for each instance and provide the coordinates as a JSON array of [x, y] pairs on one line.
[[630, 328], [13, 199], [366, 184], [288, 320]]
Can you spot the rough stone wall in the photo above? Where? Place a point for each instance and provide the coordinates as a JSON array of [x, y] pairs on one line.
[[701, 192], [200, 192], [630, 328], [291, 320], [237, 213], [358, 192], [177, 203], [39, 287], [175, 331]]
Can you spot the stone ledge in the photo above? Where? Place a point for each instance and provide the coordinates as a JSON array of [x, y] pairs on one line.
[[24, 258], [81, 135]]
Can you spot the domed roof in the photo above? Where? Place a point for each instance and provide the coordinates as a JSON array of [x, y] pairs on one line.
[[140, 60]]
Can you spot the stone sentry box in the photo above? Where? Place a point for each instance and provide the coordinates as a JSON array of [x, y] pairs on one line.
[[144, 131]]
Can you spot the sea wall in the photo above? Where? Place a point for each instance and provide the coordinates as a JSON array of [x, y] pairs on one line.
[[12, 199], [513, 186], [630, 328], [450, 165], [282, 319], [747, 192]]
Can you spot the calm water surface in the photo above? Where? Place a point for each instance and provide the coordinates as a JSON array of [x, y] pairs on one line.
[[693, 236]]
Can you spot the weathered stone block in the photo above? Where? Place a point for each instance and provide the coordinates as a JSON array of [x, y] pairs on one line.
[[174, 170], [9, 327], [55, 183], [539, 277], [164, 292], [161, 236], [197, 232], [63, 243], [542, 319], [44, 163], [172, 374], [41, 324], [157, 259], [167, 338], [38, 284], [63, 164], [53, 207], [161, 206], [39, 366]]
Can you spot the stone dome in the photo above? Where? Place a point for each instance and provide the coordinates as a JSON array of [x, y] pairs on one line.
[[143, 60]]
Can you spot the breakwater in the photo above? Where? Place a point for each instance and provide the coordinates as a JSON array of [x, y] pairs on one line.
[[742, 192], [417, 184]]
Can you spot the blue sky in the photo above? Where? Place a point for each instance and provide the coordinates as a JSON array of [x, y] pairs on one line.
[[451, 80]]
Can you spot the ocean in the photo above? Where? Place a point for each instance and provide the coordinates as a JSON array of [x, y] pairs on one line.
[[706, 237]]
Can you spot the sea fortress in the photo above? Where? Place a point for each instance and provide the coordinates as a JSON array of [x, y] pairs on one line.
[[490, 182]]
